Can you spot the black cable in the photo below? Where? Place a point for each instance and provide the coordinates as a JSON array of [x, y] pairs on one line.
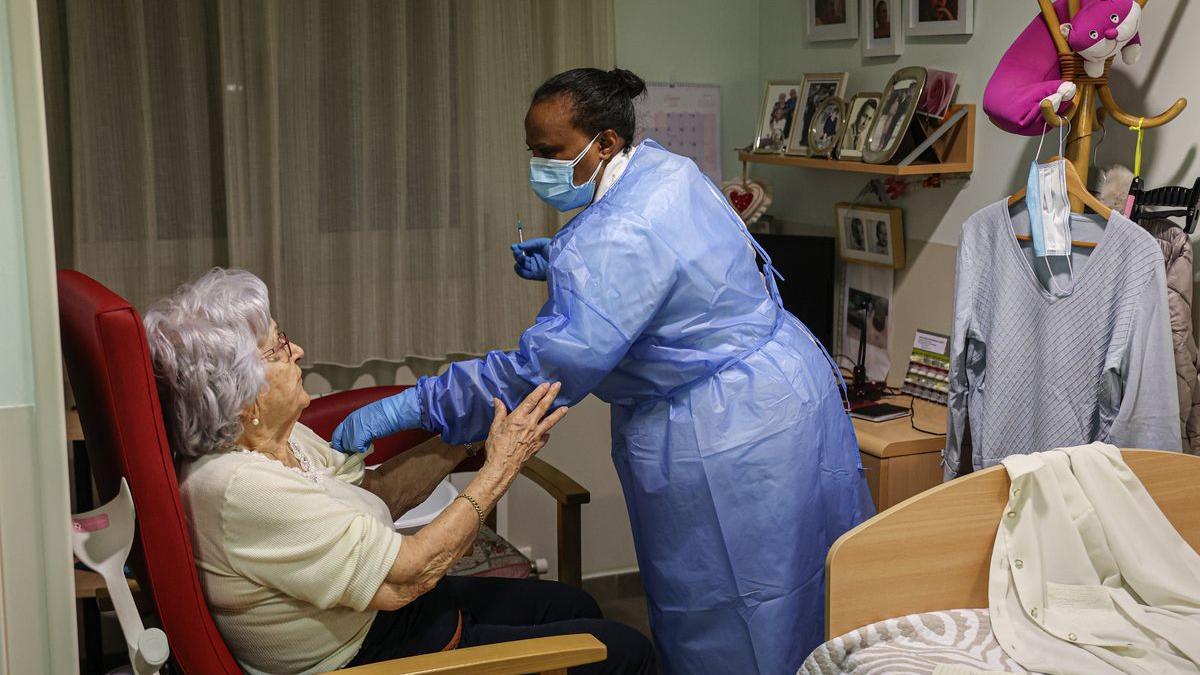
[[912, 416]]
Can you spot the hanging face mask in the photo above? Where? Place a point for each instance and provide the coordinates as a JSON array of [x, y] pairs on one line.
[[553, 180], [1049, 205]]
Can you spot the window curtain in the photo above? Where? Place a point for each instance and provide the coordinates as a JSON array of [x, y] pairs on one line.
[[365, 158]]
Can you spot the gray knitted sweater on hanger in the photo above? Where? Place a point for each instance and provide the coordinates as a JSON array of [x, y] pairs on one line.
[[1044, 357]]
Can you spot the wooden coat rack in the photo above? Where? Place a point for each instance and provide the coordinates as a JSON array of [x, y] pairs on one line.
[[1079, 142]]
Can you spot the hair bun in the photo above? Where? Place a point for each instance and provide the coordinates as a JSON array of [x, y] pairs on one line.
[[632, 85]]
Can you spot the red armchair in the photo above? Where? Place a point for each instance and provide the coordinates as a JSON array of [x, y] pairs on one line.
[[108, 363]]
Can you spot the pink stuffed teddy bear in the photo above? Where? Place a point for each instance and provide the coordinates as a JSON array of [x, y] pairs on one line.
[[1029, 72]]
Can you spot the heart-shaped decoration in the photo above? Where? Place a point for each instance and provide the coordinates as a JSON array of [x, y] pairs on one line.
[[741, 200], [750, 199]]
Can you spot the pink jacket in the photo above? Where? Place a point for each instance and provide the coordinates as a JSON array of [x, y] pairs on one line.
[[1177, 252]]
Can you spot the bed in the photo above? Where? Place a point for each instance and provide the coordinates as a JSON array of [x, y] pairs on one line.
[[908, 588]]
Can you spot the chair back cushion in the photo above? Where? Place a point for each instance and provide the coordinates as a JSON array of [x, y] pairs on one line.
[[108, 362]]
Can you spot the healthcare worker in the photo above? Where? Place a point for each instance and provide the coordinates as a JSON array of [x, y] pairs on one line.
[[736, 455]]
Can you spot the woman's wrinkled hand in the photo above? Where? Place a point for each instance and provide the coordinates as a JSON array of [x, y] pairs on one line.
[[517, 436]]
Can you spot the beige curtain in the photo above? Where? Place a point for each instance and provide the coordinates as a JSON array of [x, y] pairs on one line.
[[365, 158]]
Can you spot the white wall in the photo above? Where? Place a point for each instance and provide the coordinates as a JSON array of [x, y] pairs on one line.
[[37, 622], [16, 370], [1001, 160]]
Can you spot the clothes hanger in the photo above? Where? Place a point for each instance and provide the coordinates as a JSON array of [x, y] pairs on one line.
[[1075, 188]]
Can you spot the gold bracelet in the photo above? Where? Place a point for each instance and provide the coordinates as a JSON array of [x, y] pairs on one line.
[[475, 505]]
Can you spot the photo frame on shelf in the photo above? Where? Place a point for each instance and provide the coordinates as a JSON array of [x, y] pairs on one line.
[[816, 88], [873, 235], [861, 112], [776, 121], [831, 20], [938, 94], [896, 111], [828, 125], [882, 34], [940, 17]]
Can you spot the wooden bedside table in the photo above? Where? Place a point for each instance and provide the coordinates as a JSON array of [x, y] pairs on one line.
[[900, 461]]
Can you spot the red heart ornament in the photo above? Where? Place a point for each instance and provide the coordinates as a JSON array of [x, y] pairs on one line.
[[740, 200], [749, 198]]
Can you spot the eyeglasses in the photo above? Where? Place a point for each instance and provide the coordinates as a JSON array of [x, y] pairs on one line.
[[283, 345]]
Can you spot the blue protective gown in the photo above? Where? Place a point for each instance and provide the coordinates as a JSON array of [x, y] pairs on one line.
[[738, 462]]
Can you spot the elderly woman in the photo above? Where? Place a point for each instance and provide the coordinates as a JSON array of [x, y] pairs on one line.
[[294, 542]]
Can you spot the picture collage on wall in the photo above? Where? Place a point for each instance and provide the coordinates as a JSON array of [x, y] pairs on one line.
[[885, 23], [797, 116]]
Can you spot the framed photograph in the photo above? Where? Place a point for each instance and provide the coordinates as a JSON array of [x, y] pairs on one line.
[[862, 111], [881, 21], [941, 17], [832, 20], [828, 125], [776, 122], [816, 88], [938, 94], [867, 317], [870, 234], [896, 111]]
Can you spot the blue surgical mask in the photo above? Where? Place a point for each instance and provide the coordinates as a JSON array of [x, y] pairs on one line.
[[1049, 209], [1049, 205], [553, 180]]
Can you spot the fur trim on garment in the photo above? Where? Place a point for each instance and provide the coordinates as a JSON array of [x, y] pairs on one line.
[[1114, 186]]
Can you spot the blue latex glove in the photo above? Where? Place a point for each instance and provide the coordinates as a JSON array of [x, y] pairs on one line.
[[533, 258], [376, 420]]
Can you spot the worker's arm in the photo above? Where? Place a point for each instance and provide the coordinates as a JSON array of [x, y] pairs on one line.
[[407, 479]]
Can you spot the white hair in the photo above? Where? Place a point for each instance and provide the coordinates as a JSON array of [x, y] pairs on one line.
[[204, 341]]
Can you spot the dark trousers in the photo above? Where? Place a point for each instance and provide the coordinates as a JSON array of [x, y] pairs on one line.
[[502, 610]]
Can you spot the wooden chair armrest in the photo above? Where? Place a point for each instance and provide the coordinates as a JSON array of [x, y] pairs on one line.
[[557, 484], [570, 496], [539, 655]]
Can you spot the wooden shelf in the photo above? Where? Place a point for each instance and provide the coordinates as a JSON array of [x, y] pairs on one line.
[[958, 147], [855, 167]]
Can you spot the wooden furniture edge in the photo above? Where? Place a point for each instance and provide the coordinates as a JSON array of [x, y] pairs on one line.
[[557, 484], [538, 655], [925, 577], [569, 496]]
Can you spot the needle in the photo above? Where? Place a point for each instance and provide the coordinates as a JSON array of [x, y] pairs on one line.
[[521, 230]]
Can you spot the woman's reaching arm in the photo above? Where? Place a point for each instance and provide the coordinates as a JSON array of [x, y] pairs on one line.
[[424, 557]]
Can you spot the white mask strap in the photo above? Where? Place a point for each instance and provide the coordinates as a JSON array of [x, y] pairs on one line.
[[585, 149], [1042, 139]]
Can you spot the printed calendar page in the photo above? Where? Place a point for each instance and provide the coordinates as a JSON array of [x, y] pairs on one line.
[[685, 119]]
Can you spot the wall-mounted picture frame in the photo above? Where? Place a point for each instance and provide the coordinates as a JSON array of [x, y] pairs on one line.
[[828, 125], [896, 111], [882, 34], [776, 122], [940, 17], [860, 116], [816, 88], [832, 20], [872, 235]]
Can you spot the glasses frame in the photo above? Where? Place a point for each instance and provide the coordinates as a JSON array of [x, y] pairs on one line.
[[283, 344]]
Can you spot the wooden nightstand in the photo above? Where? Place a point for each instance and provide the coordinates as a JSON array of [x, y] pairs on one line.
[[900, 461]]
